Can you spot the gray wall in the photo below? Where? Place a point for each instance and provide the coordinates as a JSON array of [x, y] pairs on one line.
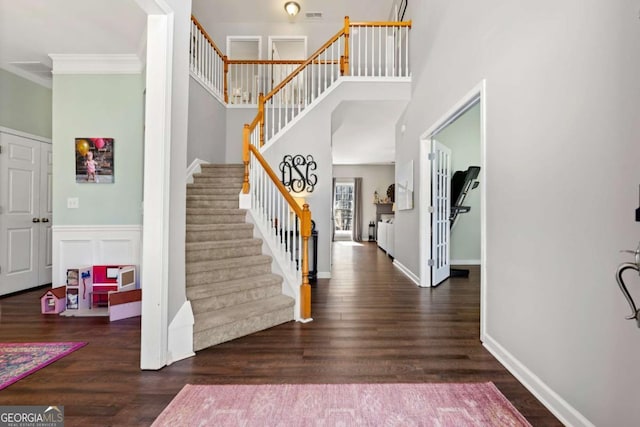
[[561, 183], [24, 105], [237, 117], [207, 131], [374, 178], [98, 106], [463, 137]]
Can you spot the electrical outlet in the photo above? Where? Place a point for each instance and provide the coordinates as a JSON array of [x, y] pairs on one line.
[[73, 203]]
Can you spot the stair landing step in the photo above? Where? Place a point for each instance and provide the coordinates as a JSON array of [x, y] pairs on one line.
[[222, 244], [227, 263], [229, 315], [231, 286]]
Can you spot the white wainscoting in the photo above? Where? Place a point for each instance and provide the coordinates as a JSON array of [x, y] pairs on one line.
[[87, 245]]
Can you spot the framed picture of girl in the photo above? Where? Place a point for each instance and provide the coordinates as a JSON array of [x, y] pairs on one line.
[[94, 160]]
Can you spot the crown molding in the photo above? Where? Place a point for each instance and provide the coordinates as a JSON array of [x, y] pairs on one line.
[[96, 64]]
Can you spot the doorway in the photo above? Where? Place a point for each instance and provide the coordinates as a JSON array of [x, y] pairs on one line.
[[343, 206], [26, 249], [285, 49], [244, 79], [449, 134]]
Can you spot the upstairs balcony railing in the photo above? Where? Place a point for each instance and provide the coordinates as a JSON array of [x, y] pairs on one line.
[[360, 49]]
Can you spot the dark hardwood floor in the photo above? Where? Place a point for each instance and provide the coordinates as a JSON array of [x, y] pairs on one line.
[[371, 324]]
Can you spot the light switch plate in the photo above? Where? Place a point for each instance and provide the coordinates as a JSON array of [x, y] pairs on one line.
[[73, 203]]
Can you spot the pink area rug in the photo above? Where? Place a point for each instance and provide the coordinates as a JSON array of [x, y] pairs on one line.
[[455, 405], [17, 360]]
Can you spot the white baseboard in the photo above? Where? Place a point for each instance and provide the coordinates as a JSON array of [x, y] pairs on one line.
[[194, 168], [324, 275], [465, 262], [566, 413], [415, 279], [180, 337], [80, 245]]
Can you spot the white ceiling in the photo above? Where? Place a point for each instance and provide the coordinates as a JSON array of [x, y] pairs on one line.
[[272, 11], [30, 30]]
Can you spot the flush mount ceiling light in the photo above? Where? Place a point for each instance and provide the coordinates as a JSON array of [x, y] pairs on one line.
[[292, 8]]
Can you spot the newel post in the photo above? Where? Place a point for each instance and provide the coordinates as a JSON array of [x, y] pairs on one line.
[[226, 84], [305, 288], [345, 60], [261, 113], [246, 135]]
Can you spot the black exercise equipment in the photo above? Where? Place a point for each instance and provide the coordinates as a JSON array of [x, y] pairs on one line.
[[461, 183]]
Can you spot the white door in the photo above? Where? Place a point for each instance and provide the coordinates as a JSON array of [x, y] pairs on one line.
[[23, 235], [441, 207], [45, 258]]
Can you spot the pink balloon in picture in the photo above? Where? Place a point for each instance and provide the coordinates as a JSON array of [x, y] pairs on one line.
[[99, 143]]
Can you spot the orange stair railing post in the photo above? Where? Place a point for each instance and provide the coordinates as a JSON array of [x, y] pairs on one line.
[[305, 288], [345, 61], [245, 158], [261, 114], [226, 79]]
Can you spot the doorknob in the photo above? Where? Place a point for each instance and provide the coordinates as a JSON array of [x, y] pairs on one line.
[[35, 220], [45, 219]]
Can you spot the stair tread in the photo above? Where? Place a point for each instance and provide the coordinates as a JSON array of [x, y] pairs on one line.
[[240, 262], [231, 286], [219, 244], [217, 227], [216, 211], [215, 185], [213, 197], [222, 165], [228, 315]]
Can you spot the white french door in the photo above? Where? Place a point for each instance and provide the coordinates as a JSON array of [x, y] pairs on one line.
[[25, 213], [440, 157]]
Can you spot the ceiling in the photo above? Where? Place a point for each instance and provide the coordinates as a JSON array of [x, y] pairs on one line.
[[272, 11], [30, 30]]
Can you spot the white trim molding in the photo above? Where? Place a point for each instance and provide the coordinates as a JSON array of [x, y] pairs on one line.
[[415, 279], [180, 337], [87, 245], [96, 64], [465, 262], [194, 167], [567, 414], [25, 135]]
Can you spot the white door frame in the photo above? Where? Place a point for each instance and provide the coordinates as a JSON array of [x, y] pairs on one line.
[[244, 38], [290, 39], [476, 95]]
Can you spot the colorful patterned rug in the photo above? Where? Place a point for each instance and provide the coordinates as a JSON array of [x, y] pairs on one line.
[[455, 405], [17, 360]]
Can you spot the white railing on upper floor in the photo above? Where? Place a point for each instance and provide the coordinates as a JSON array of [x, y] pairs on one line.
[[207, 62], [359, 49]]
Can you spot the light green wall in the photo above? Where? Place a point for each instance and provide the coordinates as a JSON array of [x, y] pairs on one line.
[[463, 137], [98, 106], [24, 105]]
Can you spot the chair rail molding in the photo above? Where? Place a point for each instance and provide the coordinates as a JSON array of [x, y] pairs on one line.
[[81, 245]]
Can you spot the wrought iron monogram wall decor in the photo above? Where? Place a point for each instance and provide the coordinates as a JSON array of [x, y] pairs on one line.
[[296, 172]]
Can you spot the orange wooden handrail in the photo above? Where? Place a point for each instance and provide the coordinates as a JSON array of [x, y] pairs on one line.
[[303, 65], [206, 36], [277, 61], [382, 24]]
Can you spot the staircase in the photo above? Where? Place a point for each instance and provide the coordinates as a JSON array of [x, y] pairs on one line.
[[229, 281]]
